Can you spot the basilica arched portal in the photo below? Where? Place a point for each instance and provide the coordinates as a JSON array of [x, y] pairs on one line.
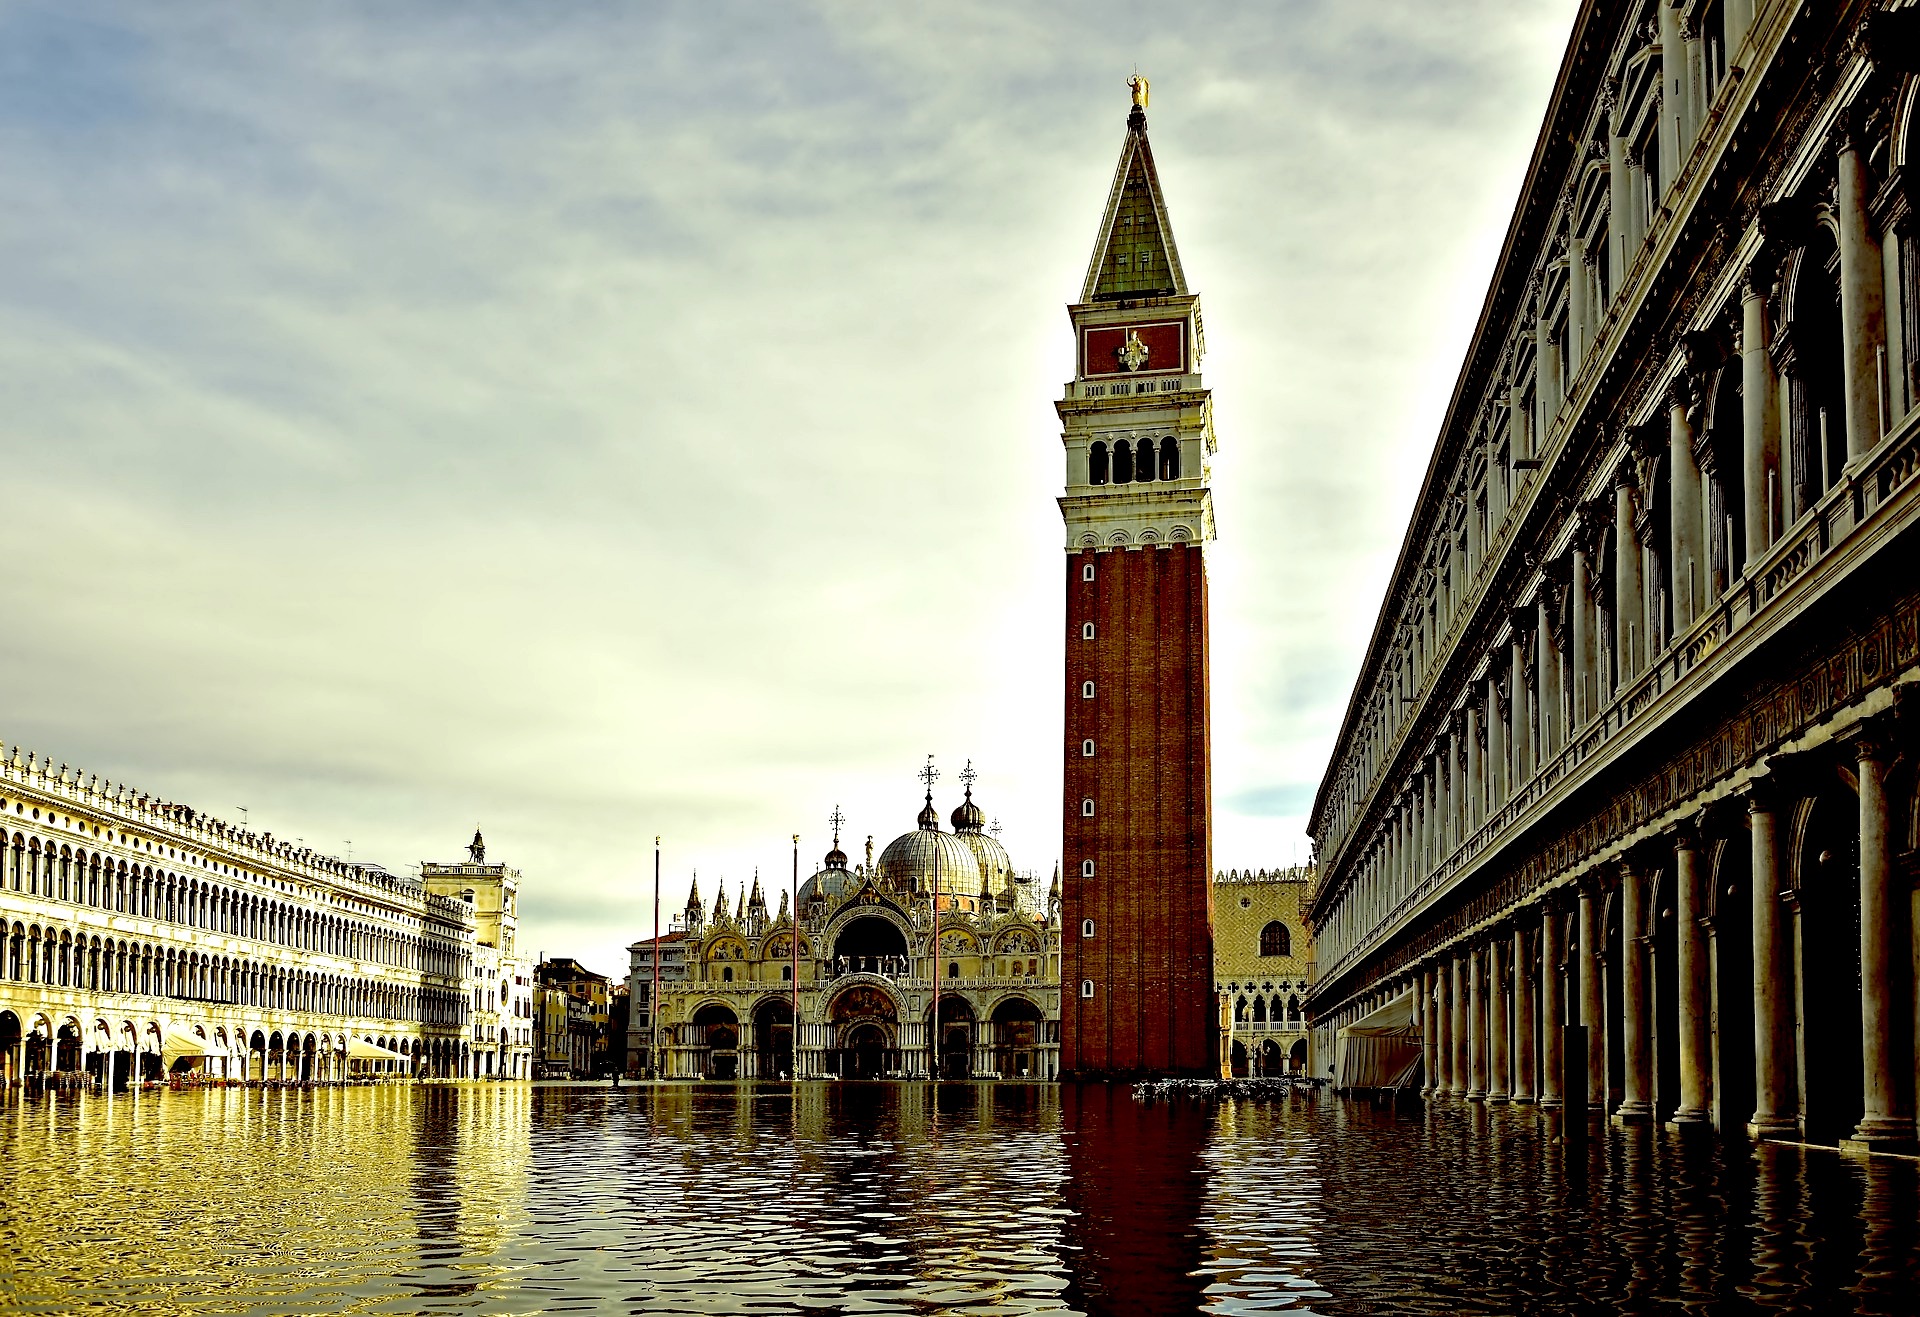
[[866, 1030], [870, 944]]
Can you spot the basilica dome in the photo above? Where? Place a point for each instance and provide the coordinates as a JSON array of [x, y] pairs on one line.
[[912, 860]]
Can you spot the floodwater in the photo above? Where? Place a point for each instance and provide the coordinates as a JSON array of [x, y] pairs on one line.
[[900, 1199]]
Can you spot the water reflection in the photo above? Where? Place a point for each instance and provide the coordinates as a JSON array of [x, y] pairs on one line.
[[885, 1198]]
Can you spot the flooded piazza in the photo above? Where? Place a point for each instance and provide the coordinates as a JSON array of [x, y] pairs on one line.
[[884, 1198]]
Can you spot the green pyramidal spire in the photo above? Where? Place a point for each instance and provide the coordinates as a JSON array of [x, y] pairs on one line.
[[1135, 255]]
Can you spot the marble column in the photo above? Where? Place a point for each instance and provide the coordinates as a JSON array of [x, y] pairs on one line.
[[1497, 1020], [1553, 1008], [1773, 1051], [1688, 519], [1523, 1009], [1495, 763], [1593, 993], [1885, 963], [1585, 659], [1577, 314], [1476, 1025], [1690, 981], [1636, 1102], [1457, 1087], [1427, 1019], [1759, 418], [1863, 319], [1474, 797], [1548, 667], [1521, 716], [1629, 596]]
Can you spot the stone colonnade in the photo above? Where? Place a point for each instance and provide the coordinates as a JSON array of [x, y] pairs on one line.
[[1713, 965]]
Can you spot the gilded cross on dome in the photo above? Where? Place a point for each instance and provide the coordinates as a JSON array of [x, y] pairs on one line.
[[929, 775]]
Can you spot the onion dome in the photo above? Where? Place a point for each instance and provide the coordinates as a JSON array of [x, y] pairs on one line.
[[836, 858], [929, 820], [969, 817]]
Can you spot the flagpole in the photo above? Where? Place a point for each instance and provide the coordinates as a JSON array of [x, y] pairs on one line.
[[653, 1007], [793, 938]]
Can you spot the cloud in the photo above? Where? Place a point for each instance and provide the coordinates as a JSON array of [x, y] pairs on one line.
[[608, 421]]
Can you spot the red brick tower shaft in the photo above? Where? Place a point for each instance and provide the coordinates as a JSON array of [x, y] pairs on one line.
[[1137, 944]]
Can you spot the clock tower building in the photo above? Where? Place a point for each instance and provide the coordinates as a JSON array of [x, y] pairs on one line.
[[1137, 429]]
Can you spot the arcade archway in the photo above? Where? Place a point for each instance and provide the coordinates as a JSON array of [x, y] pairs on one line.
[[1016, 1038], [866, 1028], [773, 1038]]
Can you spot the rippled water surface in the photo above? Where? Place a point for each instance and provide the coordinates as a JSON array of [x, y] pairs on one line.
[[898, 1199]]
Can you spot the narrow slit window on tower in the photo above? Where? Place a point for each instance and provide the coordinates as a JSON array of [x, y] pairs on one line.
[[1086, 987], [1086, 749], [1086, 928], [1086, 572], [1086, 631], [1086, 808], [1086, 690], [1086, 868]]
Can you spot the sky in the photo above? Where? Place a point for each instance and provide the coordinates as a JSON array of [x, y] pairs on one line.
[[595, 422]]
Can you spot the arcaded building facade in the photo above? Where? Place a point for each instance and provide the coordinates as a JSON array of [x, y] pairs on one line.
[[144, 938], [1262, 969], [939, 958], [1633, 745], [1137, 807]]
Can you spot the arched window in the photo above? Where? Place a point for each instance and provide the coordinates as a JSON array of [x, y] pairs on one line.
[[1086, 928], [1086, 631], [1259, 1010], [1086, 987], [1097, 463], [726, 974], [1240, 1010], [1086, 868], [1122, 462], [1143, 463], [1275, 940], [1293, 1010], [1086, 574], [1086, 749], [1086, 808], [1169, 458], [1086, 690]]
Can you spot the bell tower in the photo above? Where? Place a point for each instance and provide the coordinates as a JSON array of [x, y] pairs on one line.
[[1137, 429]]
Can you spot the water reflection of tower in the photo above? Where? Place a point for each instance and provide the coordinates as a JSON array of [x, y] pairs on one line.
[[1136, 1187]]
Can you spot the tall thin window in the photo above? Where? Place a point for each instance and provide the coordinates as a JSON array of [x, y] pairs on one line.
[[1086, 808], [1097, 463], [1086, 574], [1086, 928], [1086, 987], [1169, 458], [1086, 868], [1086, 631], [1086, 749], [1122, 462], [1086, 690]]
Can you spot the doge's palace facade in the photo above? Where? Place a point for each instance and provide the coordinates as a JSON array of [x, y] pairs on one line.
[[1634, 744], [143, 937]]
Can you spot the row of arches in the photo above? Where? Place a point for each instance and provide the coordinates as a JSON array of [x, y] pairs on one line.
[[73, 874], [1263, 1009], [1133, 462], [47, 1048], [862, 1038], [58, 958]]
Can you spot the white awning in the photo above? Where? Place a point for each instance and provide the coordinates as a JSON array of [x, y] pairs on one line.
[[359, 1049], [182, 1041], [1380, 1050]]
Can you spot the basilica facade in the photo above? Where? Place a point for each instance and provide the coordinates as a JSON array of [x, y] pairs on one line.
[[937, 958]]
